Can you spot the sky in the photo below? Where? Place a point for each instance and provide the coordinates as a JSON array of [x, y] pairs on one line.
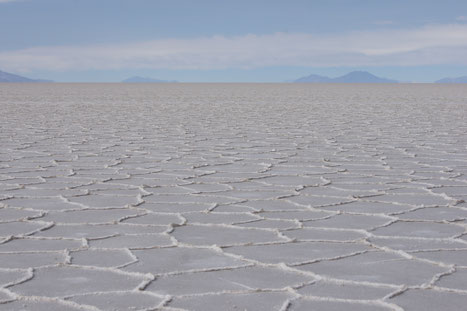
[[232, 41]]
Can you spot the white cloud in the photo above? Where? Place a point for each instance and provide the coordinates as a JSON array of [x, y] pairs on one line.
[[440, 44]]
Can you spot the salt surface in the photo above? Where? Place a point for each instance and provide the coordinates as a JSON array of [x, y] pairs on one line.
[[233, 197]]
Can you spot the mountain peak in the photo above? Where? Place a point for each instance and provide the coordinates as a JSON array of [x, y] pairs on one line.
[[359, 73]]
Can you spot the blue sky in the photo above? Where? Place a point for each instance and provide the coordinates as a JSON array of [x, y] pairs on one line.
[[238, 41]]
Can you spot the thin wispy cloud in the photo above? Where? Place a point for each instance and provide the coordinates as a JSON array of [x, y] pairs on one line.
[[439, 44], [462, 18], [5, 1]]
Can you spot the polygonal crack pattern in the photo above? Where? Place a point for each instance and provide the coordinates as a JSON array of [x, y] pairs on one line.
[[233, 197]]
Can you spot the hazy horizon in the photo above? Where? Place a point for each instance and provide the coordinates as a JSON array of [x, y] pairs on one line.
[[242, 41]]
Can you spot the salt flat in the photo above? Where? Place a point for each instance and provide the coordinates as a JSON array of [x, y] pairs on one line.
[[233, 197]]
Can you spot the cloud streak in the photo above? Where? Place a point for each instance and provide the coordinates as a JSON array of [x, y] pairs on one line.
[[439, 44]]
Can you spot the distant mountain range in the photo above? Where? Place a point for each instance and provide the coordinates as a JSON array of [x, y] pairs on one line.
[[9, 77], [313, 79], [453, 80], [351, 77], [145, 80]]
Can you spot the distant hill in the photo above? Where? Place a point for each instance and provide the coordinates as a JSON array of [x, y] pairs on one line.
[[361, 77], [351, 77], [314, 79], [453, 80], [9, 77], [145, 80]]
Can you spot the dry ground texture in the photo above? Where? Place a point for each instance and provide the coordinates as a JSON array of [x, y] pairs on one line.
[[233, 197]]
